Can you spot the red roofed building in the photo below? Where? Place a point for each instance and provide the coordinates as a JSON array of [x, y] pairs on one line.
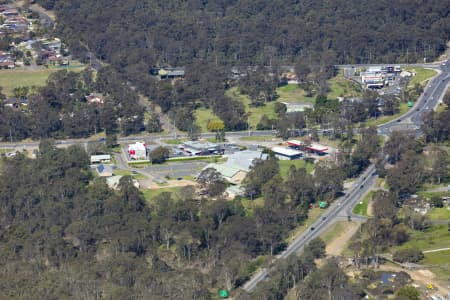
[[313, 147]]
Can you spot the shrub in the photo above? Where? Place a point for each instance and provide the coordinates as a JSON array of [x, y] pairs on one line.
[[408, 255]]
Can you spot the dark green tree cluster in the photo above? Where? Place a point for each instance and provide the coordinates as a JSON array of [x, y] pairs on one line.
[[59, 109], [87, 240], [436, 125], [236, 32], [209, 38], [260, 86]]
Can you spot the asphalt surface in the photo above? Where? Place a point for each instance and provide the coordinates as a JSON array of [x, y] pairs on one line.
[[176, 169], [133, 138], [340, 209], [429, 100]]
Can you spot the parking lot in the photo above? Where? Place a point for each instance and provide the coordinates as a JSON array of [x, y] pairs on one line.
[[176, 169]]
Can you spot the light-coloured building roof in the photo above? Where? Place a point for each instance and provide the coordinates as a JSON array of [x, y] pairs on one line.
[[226, 170], [297, 106], [244, 159], [100, 158], [286, 151], [237, 165]]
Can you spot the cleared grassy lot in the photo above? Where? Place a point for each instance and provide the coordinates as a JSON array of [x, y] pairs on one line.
[[150, 194], [439, 214], [422, 76], [361, 207], [299, 163], [10, 79], [434, 237], [293, 93]]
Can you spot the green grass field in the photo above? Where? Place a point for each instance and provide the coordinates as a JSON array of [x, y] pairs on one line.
[[10, 79], [255, 113], [250, 205], [439, 214], [361, 207], [341, 87], [333, 232], [438, 263], [293, 93], [436, 258], [203, 116], [150, 194], [174, 141], [422, 76], [434, 237], [298, 163]]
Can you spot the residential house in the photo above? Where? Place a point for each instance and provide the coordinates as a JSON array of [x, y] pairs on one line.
[[94, 98], [293, 107]]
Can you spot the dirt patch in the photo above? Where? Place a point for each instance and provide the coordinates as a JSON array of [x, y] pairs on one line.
[[337, 245], [370, 209], [421, 277]]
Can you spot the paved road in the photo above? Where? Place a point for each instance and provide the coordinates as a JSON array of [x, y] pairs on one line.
[[342, 207], [429, 100], [132, 138], [433, 93]]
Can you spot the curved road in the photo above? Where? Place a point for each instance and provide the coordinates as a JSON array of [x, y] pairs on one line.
[[342, 207]]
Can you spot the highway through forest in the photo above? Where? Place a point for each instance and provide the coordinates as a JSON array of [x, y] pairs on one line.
[[343, 206]]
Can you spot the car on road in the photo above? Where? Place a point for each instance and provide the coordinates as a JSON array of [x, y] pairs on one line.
[[417, 109], [324, 218], [399, 120], [312, 228], [362, 185]]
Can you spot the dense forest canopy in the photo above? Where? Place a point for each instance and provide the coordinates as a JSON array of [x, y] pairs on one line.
[[208, 38], [65, 234], [153, 32]]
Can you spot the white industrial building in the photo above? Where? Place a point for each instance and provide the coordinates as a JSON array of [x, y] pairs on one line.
[[102, 158]]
